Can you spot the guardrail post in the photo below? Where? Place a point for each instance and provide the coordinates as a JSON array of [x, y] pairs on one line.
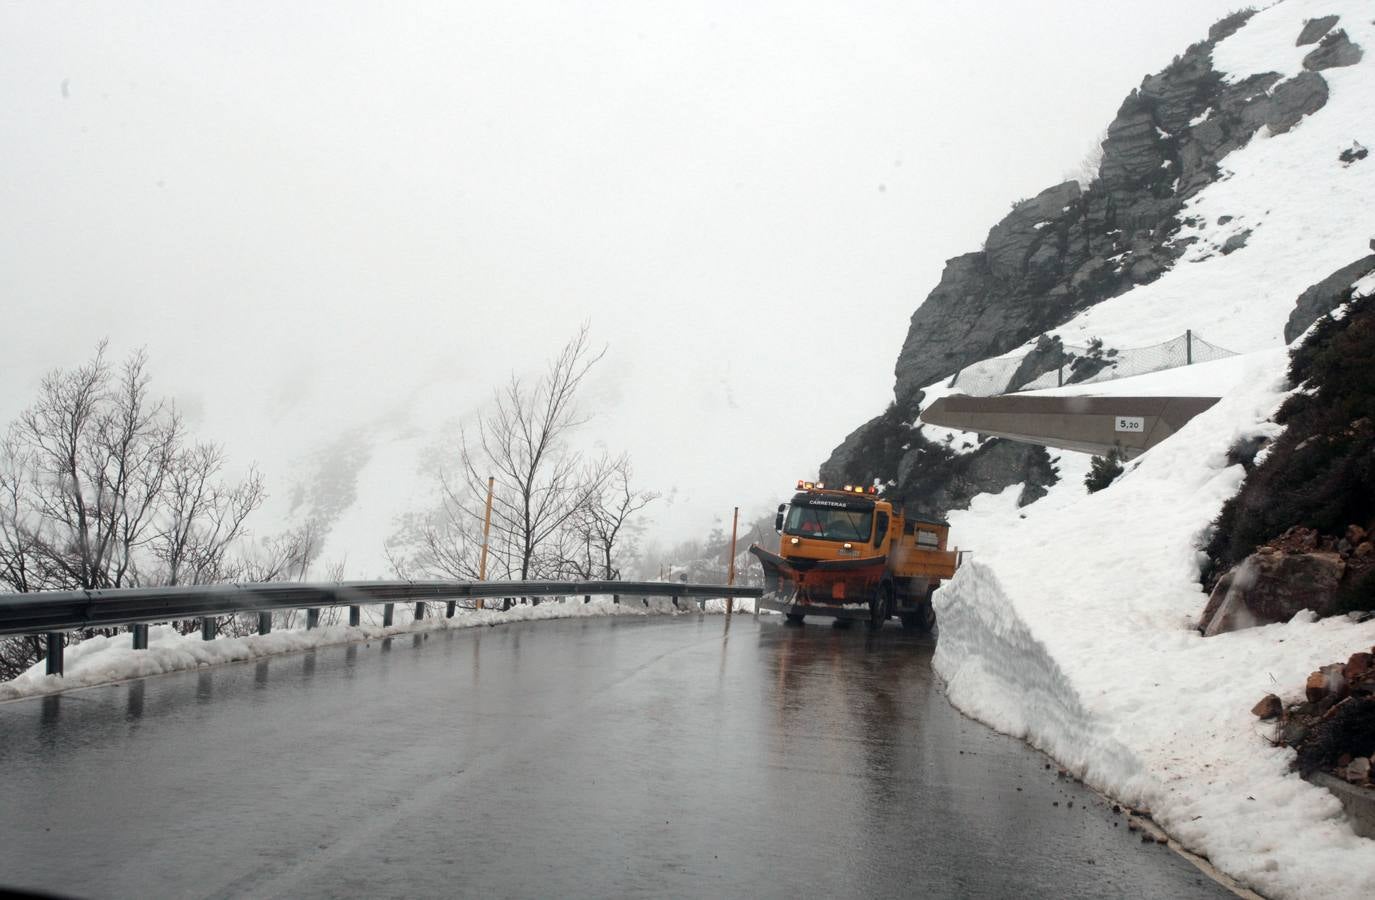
[[312, 618], [140, 633], [1188, 347], [419, 611], [388, 611], [264, 623], [56, 639], [355, 616], [449, 610], [208, 628]]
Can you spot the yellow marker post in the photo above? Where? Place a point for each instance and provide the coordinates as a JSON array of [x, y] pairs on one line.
[[730, 579], [486, 532]]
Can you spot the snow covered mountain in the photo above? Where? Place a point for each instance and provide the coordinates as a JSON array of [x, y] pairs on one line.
[[1233, 199]]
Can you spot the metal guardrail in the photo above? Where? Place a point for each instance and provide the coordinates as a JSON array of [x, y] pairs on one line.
[[53, 612]]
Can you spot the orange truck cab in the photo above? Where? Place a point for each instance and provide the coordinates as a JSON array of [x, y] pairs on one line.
[[847, 553]]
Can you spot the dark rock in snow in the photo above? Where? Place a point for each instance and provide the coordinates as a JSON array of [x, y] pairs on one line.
[[1288, 103], [1354, 153], [1335, 51], [1315, 689], [1047, 356], [1236, 242], [1358, 666], [1272, 587], [1269, 707], [1011, 241], [1321, 298], [1314, 29]]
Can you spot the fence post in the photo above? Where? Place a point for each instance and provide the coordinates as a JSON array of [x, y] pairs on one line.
[[55, 644], [1060, 375], [730, 579], [264, 623], [140, 633], [355, 616], [208, 628], [388, 611], [312, 618], [1188, 347]]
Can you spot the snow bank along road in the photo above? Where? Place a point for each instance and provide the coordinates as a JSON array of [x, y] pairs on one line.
[[667, 756]]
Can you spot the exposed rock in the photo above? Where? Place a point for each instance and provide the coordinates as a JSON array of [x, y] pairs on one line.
[[1047, 356], [1144, 269], [1290, 101], [1315, 688], [1272, 587], [1358, 770], [1269, 707], [1321, 298], [1314, 29], [1236, 242], [1358, 666], [928, 478], [1355, 153], [1337, 685], [1335, 51], [1011, 241]]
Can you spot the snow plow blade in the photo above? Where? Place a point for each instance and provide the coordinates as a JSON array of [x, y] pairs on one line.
[[798, 587]]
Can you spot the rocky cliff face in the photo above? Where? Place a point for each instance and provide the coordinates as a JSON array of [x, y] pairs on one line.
[[1068, 248]]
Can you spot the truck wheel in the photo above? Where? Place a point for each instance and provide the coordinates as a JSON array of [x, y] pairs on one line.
[[921, 620], [880, 606], [795, 618]]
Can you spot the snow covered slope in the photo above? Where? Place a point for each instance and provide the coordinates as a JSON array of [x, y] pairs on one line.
[[1074, 623]]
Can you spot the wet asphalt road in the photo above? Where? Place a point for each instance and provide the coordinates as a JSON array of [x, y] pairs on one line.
[[574, 758]]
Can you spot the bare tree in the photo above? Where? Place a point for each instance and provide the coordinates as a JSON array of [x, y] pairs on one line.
[[202, 518], [98, 453], [1086, 170], [283, 557], [605, 522], [98, 490], [542, 484]]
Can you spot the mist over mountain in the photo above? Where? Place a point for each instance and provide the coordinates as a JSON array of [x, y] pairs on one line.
[[336, 236]]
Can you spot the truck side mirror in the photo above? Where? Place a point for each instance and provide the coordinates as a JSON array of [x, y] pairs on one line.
[[778, 519]]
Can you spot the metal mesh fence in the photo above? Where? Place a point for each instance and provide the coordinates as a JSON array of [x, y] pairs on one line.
[[1052, 364]]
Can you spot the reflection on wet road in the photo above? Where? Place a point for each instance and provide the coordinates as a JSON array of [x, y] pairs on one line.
[[606, 757]]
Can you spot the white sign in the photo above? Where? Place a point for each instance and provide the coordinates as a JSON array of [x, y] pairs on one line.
[[1134, 424]]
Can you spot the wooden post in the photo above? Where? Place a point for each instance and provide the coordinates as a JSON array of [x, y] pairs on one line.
[[730, 578], [486, 533]]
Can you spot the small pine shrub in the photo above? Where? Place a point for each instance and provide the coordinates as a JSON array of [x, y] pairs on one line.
[[1103, 471]]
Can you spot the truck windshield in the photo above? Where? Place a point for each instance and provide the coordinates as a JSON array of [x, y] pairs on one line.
[[829, 524]]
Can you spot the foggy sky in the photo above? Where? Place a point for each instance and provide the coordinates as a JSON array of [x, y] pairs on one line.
[[325, 217]]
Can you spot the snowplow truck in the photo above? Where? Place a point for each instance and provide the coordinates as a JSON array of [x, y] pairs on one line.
[[848, 554]]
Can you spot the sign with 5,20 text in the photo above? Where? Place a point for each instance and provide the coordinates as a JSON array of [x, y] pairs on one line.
[[1133, 424]]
